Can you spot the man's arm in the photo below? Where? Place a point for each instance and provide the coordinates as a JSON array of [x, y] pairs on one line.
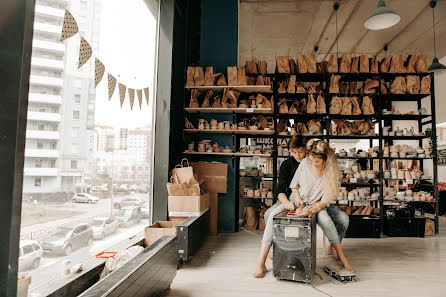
[[282, 187]]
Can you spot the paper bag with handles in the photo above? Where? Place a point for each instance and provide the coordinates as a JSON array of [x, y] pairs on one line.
[[183, 174]]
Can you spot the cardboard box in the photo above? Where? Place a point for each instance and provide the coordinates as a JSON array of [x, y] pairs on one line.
[[158, 230], [188, 203], [177, 219], [215, 175]]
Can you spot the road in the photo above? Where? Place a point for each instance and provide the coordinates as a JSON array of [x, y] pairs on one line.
[[57, 214]]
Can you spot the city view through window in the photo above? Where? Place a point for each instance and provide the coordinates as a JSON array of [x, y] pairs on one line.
[[88, 162]]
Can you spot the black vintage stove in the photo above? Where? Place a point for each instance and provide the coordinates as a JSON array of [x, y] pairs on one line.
[[294, 243]]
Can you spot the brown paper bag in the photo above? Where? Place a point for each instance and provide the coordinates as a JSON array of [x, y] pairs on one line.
[[311, 104], [301, 64], [217, 102], [300, 89], [283, 64], [232, 75], [199, 76], [401, 67], [302, 106], [262, 224], [193, 103], [332, 64], [425, 85], [384, 87], [356, 109], [293, 108], [282, 126], [310, 87], [374, 65], [221, 80], [209, 76], [292, 84], [262, 67], [344, 88], [190, 76], [385, 65], [355, 65], [346, 64], [411, 64], [260, 99], [394, 64], [251, 67], [367, 106], [413, 84], [422, 64], [251, 80], [321, 108], [335, 105], [267, 81], [283, 106], [206, 101], [364, 66], [282, 87], [334, 84], [301, 129], [251, 218], [310, 62], [353, 88], [260, 80], [183, 172], [293, 66], [347, 107], [314, 126], [398, 86], [241, 77], [230, 98], [370, 85], [429, 229]]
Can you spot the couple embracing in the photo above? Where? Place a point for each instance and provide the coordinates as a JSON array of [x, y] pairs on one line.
[[308, 181]]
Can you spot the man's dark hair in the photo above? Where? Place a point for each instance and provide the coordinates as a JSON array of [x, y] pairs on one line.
[[297, 141]]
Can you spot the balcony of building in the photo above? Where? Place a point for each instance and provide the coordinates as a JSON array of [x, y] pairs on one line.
[[43, 116], [49, 46], [45, 98], [46, 81], [47, 63], [40, 171], [41, 153], [38, 134], [50, 11]]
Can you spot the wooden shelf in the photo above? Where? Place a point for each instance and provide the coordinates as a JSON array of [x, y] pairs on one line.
[[248, 132], [302, 116], [229, 110], [244, 89], [413, 117], [227, 154], [353, 116]]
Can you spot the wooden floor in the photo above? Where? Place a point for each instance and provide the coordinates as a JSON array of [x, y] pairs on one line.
[[385, 267]]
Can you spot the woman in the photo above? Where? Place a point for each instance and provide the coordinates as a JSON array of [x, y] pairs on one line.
[[316, 183]]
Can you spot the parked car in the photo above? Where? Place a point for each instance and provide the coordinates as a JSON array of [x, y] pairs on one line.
[[142, 189], [67, 238], [145, 210], [128, 215], [30, 253], [128, 201], [103, 227], [98, 189], [84, 198]]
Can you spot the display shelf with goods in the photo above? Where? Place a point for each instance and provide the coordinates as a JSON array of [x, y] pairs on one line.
[[373, 127]]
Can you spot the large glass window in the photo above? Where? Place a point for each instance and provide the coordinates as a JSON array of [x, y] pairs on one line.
[[87, 155]]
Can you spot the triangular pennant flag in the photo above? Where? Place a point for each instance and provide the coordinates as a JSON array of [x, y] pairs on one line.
[[99, 70], [111, 85], [146, 92], [139, 92], [122, 89], [132, 97], [70, 27], [84, 52]]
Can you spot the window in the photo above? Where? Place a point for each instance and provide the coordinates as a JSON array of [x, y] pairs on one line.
[[37, 182], [52, 163], [76, 114], [39, 145], [77, 81], [41, 127], [42, 108], [75, 132], [53, 145], [77, 99], [75, 148], [55, 109], [55, 127], [28, 249], [38, 163], [36, 246], [73, 164]]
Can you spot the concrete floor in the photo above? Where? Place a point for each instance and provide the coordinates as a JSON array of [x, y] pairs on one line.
[[385, 267]]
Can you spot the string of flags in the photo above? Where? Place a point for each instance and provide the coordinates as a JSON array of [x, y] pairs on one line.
[[69, 29]]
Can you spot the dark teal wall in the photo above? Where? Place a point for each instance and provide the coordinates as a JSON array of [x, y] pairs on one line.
[[218, 48]]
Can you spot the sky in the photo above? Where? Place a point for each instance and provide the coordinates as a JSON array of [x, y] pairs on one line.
[[127, 49]]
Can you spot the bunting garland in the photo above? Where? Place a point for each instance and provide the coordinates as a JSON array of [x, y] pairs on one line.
[[69, 29], [132, 97], [139, 92]]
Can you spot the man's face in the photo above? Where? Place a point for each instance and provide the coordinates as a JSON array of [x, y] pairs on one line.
[[298, 153]]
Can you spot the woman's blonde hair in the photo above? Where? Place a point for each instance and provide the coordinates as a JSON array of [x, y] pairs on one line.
[[330, 173]]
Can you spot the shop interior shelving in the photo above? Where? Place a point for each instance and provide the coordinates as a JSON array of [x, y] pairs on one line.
[[380, 101]]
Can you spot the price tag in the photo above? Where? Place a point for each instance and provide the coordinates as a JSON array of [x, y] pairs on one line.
[[250, 110], [292, 232]]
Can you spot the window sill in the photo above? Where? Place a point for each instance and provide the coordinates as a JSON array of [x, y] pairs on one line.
[[59, 283]]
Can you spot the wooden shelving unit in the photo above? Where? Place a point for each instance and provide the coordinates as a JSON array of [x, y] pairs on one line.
[[245, 89]]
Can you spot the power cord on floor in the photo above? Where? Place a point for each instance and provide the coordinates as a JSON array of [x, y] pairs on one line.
[[319, 290]]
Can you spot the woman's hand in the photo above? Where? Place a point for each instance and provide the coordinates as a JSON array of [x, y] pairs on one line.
[[289, 205], [307, 211]]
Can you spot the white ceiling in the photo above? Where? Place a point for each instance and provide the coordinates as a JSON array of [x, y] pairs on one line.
[[301, 24]]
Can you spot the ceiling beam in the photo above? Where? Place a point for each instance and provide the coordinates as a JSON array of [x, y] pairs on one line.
[[343, 27]]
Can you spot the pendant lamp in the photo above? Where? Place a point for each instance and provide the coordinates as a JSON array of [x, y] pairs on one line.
[[436, 65], [382, 18]]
